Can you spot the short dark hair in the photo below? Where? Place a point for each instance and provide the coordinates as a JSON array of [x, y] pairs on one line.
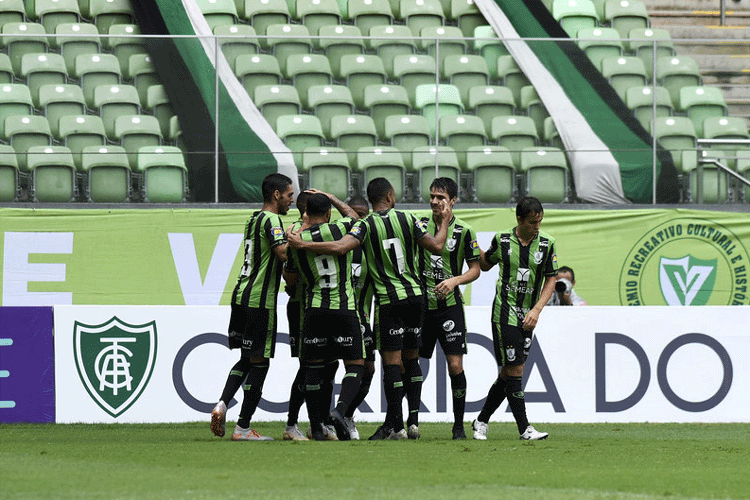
[[445, 184], [302, 201], [274, 182], [528, 205], [378, 189], [318, 204], [357, 200], [566, 269]]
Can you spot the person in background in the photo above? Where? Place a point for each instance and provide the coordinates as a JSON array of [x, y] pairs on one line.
[[565, 294]]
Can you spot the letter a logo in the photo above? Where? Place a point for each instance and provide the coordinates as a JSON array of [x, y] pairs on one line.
[[114, 361], [687, 281]]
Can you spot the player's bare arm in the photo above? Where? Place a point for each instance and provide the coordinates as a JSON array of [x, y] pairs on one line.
[[338, 247], [446, 286], [280, 252], [532, 317]]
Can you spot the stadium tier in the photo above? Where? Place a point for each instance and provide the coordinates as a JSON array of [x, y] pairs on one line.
[[353, 89]]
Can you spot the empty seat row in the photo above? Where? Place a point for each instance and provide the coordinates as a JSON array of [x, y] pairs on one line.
[[52, 13], [621, 15]]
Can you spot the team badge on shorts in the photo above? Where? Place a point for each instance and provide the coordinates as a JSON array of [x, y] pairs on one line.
[[449, 325], [510, 353]]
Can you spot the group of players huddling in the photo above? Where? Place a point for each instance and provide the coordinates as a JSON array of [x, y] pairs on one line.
[[408, 270]]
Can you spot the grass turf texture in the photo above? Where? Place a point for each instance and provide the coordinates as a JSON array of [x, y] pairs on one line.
[[184, 461]]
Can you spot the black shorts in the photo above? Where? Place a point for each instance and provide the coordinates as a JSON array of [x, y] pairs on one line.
[[512, 344], [369, 340], [399, 326], [330, 334], [447, 326], [294, 313], [254, 330]]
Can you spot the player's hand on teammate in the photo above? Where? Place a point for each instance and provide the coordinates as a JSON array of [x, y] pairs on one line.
[[293, 237]]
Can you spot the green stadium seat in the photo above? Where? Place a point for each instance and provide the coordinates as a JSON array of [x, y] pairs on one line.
[[78, 132], [544, 174], [626, 15], [264, 13], [489, 101], [726, 127], [42, 69], [707, 182], [318, 13], [159, 105], [466, 71], [19, 39], [236, 39], [443, 41], [123, 43], [641, 43], [551, 136], [299, 132], [51, 13], [406, 133], [254, 70], [743, 168], [338, 41], [488, 45], [350, 133], [382, 161], [112, 101], [512, 77], [384, 101], [106, 13], [287, 40], [75, 39], [15, 99], [143, 74], [598, 5], [163, 174], [218, 12], [277, 100], [492, 174], [574, 15], [436, 101], [431, 162], [414, 70], [534, 108], [360, 71], [135, 132], [12, 11], [462, 132], [326, 169], [624, 72], [6, 70], [306, 71], [675, 72], [467, 16], [93, 70], [389, 41], [640, 100], [10, 178], [700, 102], [515, 133], [327, 101], [24, 132], [599, 43], [677, 135], [368, 13], [421, 14], [52, 174], [106, 174], [175, 134]]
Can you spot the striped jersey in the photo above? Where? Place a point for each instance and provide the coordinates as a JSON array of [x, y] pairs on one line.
[[327, 279], [389, 239], [296, 293], [258, 283], [362, 283], [522, 271], [461, 245]]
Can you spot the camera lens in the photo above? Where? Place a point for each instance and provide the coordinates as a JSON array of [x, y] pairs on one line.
[[560, 287]]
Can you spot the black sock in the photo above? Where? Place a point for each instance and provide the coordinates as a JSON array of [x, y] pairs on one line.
[[494, 399], [394, 393], [364, 389], [458, 388], [413, 388], [517, 402], [296, 397], [253, 389], [328, 375], [236, 376], [349, 387], [314, 397]]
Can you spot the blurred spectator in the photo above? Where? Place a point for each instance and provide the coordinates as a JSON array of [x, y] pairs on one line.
[[565, 295]]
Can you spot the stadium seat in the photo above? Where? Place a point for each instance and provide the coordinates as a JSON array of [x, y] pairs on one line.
[[236, 39], [19, 39], [489, 46], [443, 41], [23, 132], [135, 132], [382, 161], [642, 41], [489, 101], [626, 15], [299, 132], [73, 40], [318, 13], [389, 41], [429, 163], [10, 179], [327, 101], [384, 101], [640, 100], [12, 11], [51, 13], [624, 72], [42, 69], [700, 102], [159, 105], [277, 100], [599, 43], [512, 77], [350, 133], [52, 174], [106, 174], [532, 105], [175, 134], [726, 127], [163, 174], [464, 72], [254, 70], [124, 43], [492, 174], [467, 16], [436, 101], [677, 135], [360, 71], [15, 99], [462, 132], [515, 133], [574, 15], [707, 183], [544, 174], [93, 70], [112, 101], [327, 169], [415, 70], [676, 72], [143, 74], [368, 13], [551, 136], [264, 13], [77, 132], [338, 41], [105, 13], [306, 71], [406, 133], [286, 40], [218, 12], [421, 14], [743, 168], [6, 70]]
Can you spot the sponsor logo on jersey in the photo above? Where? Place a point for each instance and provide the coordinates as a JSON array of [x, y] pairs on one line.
[[355, 230], [474, 244], [277, 232], [449, 325], [523, 274]]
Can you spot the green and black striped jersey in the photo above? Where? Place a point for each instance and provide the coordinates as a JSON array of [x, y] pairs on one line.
[[327, 279], [296, 293], [460, 246], [389, 239], [364, 289], [258, 283], [522, 271]]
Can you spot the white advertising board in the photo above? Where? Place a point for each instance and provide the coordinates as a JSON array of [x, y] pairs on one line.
[[588, 364]]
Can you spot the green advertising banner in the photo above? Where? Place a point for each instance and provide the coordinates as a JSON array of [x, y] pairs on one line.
[[192, 256]]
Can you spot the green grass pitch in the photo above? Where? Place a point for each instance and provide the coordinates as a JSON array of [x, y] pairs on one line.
[[184, 461]]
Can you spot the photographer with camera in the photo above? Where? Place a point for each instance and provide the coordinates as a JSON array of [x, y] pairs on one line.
[[564, 294]]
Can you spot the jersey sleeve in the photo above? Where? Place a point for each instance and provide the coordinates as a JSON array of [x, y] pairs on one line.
[[492, 254], [345, 224], [359, 230], [550, 267], [471, 251], [275, 231], [419, 226], [291, 262]]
